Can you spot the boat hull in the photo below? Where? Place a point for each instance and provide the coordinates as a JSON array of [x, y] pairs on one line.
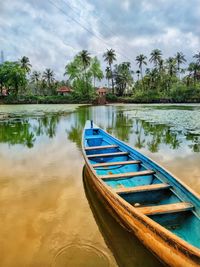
[[164, 247]]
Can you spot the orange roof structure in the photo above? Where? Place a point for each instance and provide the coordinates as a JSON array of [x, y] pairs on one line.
[[102, 90], [64, 89]]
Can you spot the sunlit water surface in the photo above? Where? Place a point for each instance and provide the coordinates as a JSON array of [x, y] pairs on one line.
[[49, 216]]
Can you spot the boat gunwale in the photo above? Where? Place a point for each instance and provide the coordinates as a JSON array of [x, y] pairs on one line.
[[144, 219]]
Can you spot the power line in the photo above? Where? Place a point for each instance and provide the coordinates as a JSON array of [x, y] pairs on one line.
[[83, 26]]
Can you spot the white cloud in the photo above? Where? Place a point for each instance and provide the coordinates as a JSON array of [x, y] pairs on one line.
[[46, 31]]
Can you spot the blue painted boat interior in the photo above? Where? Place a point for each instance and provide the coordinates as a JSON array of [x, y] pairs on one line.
[[185, 224]]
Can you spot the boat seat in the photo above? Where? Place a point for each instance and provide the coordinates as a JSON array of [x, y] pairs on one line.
[[108, 155], [116, 163], [93, 136], [100, 147], [142, 188], [126, 175], [168, 208]]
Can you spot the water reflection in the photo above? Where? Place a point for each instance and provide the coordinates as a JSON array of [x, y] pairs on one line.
[[126, 248], [25, 131], [141, 133]]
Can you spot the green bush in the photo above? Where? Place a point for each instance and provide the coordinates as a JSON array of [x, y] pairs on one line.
[[111, 98]]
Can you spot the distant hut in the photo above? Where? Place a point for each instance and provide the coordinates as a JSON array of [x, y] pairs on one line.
[[4, 91], [102, 95], [102, 91], [64, 90]]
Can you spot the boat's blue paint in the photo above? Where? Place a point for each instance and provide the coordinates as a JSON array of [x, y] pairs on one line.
[[184, 224], [158, 197], [130, 182]]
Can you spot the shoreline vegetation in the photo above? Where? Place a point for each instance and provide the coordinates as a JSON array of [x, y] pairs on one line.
[[154, 80]]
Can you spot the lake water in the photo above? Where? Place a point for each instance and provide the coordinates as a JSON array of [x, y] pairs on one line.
[[49, 215]]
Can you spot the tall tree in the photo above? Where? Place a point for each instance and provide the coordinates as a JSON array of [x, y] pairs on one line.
[[14, 76], [180, 59], [86, 60], [96, 71], [25, 64], [171, 66], [197, 57], [110, 57], [108, 74], [49, 76], [156, 56], [123, 77], [193, 69], [141, 60], [35, 78]]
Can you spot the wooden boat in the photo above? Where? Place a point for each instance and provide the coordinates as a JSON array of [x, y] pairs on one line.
[[145, 198]]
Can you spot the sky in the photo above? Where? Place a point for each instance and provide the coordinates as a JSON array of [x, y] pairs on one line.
[[52, 32]]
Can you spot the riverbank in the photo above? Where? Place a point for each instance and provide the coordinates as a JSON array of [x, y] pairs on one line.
[[110, 98]]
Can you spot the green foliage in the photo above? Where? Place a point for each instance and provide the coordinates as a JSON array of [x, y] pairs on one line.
[[12, 76], [111, 98], [81, 72], [33, 99], [123, 77]]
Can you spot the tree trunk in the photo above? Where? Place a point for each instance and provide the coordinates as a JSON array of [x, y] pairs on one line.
[[112, 79]]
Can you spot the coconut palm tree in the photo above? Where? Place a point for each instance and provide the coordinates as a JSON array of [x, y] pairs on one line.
[[156, 56], [171, 66], [180, 59], [25, 64], [49, 76], [193, 69], [140, 61], [197, 57], [86, 60], [110, 57], [138, 74], [95, 70], [35, 78]]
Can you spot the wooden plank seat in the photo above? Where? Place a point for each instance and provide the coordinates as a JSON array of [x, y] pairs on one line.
[[142, 188], [114, 154], [100, 147], [94, 136], [167, 208], [126, 175], [107, 164]]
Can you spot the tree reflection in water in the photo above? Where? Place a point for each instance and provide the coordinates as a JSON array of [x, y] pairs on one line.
[[139, 133], [24, 131]]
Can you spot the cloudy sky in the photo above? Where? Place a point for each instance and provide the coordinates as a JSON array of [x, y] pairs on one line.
[[51, 32]]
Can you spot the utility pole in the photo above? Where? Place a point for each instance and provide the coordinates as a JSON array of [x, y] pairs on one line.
[[2, 57]]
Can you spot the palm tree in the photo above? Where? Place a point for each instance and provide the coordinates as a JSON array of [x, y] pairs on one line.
[[35, 78], [197, 57], [49, 76], [108, 74], [110, 57], [193, 69], [86, 60], [25, 64], [96, 70], [140, 61], [138, 74], [171, 65], [180, 59], [155, 57]]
